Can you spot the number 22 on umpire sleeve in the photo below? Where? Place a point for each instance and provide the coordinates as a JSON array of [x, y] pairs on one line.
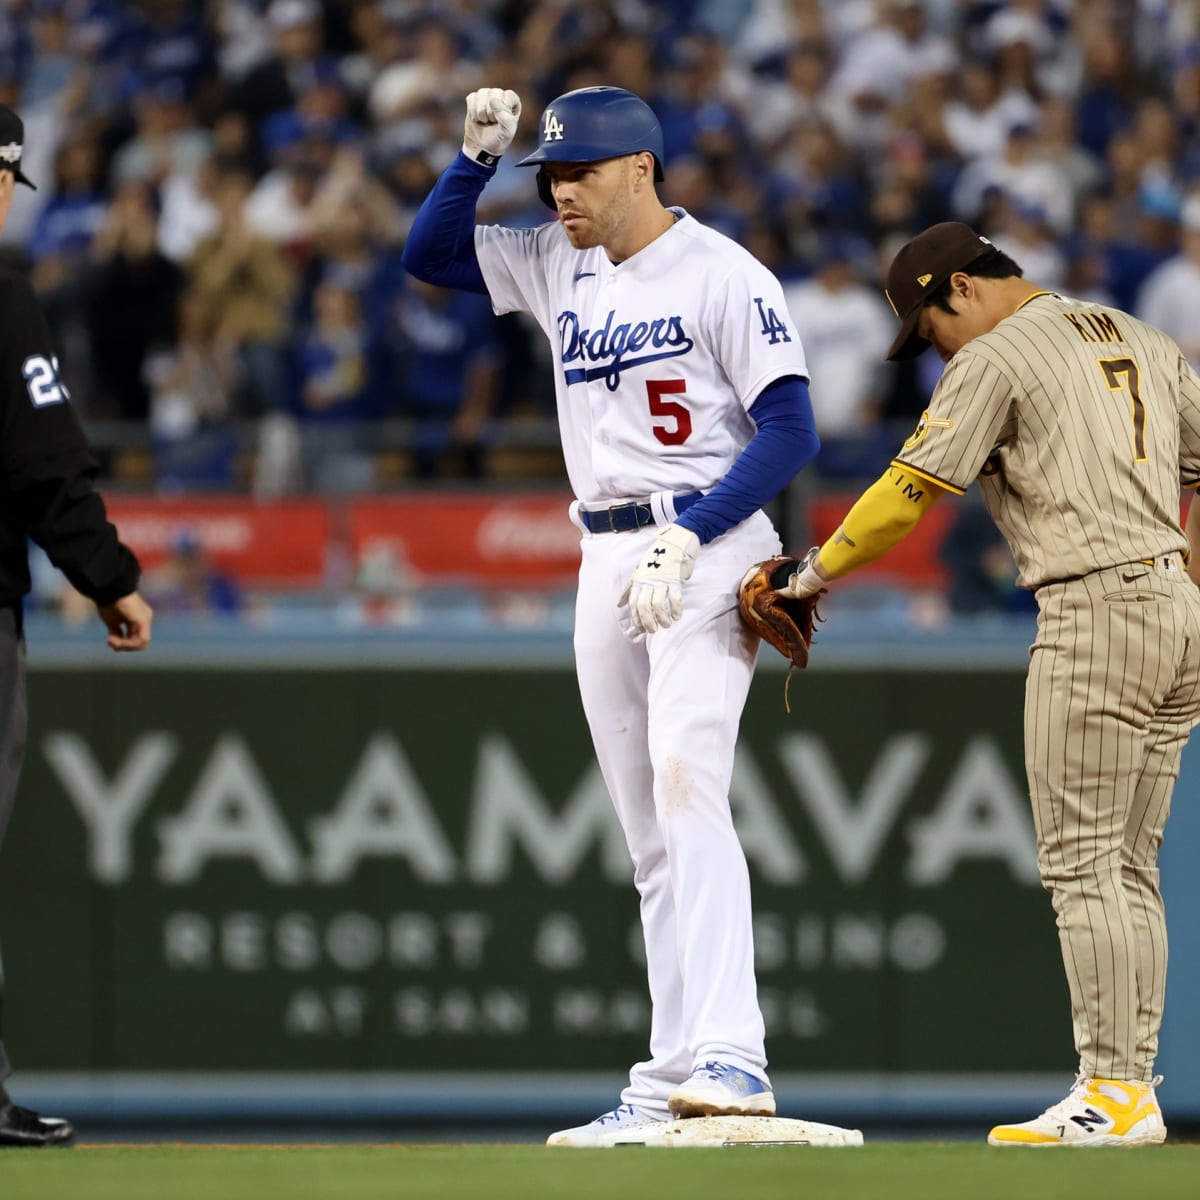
[[1113, 368], [659, 407], [41, 379]]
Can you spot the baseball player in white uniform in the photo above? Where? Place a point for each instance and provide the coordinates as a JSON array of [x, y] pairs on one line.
[[683, 407]]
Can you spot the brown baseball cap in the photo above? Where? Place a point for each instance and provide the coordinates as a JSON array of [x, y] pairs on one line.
[[12, 141], [919, 268]]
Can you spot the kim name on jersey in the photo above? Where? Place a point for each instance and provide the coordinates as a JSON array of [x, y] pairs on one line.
[[607, 346]]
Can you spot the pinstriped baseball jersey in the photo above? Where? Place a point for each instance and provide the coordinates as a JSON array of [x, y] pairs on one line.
[[1081, 423]]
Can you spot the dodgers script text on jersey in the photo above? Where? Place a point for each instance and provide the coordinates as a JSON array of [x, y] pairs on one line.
[[606, 347], [658, 358]]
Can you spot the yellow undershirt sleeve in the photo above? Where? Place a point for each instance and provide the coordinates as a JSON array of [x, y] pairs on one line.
[[884, 514]]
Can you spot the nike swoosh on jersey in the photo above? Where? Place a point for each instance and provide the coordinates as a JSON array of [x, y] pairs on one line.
[[584, 275], [1132, 578]]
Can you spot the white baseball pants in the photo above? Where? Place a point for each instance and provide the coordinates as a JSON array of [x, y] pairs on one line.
[[663, 711]]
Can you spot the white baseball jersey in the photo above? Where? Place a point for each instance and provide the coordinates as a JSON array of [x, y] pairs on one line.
[[656, 358]]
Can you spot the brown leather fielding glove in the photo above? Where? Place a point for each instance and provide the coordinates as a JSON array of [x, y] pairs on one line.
[[782, 620]]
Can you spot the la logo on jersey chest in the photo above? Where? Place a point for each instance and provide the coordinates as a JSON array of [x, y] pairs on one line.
[[604, 351]]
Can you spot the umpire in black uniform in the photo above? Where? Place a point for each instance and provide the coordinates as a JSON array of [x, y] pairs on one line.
[[47, 477]]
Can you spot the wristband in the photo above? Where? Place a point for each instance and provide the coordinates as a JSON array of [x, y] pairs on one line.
[[806, 582], [481, 156]]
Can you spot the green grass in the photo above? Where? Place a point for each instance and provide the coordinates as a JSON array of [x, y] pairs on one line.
[[893, 1171], [897, 1171]]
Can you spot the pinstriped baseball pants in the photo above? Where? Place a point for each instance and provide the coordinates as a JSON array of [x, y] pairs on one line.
[[1112, 695]]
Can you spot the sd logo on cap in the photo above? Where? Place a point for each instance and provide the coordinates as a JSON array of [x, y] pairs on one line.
[[927, 261]]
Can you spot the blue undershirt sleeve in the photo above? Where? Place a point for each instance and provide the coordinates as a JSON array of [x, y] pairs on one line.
[[441, 243], [785, 442]]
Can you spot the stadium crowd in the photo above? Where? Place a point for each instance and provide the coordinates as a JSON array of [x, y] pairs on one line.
[[224, 188]]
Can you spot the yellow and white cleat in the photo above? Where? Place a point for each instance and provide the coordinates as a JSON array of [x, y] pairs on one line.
[[1096, 1112]]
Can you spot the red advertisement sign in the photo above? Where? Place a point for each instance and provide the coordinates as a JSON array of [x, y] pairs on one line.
[[499, 540], [282, 543], [523, 540]]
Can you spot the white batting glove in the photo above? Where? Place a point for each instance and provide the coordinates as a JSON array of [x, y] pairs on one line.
[[801, 580], [491, 124], [654, 593]]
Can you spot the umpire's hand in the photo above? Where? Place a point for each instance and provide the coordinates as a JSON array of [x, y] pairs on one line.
[[128, 621]]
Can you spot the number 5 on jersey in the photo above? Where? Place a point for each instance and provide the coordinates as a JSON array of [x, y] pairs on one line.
[[681, 430], [42, 382]]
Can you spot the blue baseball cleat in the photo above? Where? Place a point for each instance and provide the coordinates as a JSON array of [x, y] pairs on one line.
[[622, 1117], [715, 1089]]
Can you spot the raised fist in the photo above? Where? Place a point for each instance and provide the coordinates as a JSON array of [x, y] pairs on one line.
[[491, 124]]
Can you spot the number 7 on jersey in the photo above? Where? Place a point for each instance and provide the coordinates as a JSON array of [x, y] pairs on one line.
[[1113, 369]]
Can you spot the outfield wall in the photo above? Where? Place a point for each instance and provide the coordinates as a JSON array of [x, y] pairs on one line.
[[254, 876]]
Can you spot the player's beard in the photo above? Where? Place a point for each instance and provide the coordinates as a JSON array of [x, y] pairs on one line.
[[602, 226]]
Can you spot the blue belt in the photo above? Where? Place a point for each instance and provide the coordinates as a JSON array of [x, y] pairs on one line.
[[621, 518]]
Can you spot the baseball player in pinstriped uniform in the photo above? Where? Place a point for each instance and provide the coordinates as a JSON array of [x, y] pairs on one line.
[[1080, 423]]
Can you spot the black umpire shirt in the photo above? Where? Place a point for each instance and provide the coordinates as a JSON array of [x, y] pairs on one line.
[[47, 471]]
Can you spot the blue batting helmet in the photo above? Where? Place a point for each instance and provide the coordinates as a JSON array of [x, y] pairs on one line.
[[593, 123]]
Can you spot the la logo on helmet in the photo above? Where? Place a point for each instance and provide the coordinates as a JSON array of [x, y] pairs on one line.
[[553, 130]]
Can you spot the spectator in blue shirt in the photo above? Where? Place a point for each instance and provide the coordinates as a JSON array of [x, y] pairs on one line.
[[60, 243], [188, 581], [445, 359], [320, 111], [72, 216], [299, 48], [52, 63], [333, 358], [169, 39], [1104, 107]]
